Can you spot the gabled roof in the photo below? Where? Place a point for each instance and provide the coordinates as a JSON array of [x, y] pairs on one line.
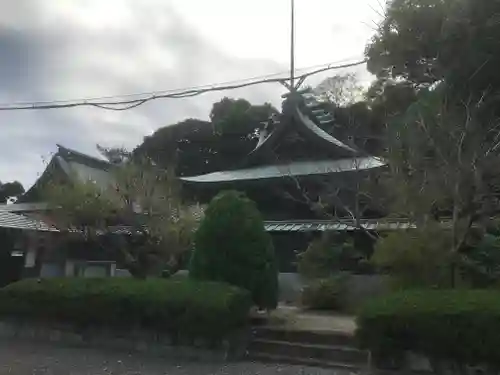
[[84, 167], [69, 164]]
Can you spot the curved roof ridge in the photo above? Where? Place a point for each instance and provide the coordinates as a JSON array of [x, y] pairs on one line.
[[81, 156]]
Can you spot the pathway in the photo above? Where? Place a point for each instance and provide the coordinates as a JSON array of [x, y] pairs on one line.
[[22, 358], [293, 318]]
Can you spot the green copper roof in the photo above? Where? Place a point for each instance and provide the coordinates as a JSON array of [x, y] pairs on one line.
[[296, 169]]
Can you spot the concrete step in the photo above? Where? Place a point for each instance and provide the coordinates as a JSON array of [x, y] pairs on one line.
[[258, 320], [341, 354], [286, 359], [331, 338]]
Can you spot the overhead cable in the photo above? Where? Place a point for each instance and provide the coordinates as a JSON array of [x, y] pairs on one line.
[[125, 104]]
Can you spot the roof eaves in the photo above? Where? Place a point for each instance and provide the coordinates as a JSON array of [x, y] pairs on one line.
[[72, 155]]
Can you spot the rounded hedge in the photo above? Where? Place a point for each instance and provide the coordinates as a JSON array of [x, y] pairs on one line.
[[182, 308], [444, 325], [231, 245]]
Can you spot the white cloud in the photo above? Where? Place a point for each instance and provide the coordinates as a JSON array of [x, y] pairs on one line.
[[71, 49]]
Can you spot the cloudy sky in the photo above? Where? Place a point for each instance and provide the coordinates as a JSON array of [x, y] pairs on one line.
[[61, 49]]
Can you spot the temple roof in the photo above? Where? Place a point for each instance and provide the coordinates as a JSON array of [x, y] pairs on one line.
[[294, 169], [302, 114], [71, 164], [16, 216]]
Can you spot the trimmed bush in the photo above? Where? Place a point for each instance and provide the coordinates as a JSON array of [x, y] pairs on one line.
[[232, 246], [458, 326], [181, 308], [324, 294]]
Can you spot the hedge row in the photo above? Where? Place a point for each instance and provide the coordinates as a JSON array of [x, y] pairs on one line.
[[180, 308], [445, 325]]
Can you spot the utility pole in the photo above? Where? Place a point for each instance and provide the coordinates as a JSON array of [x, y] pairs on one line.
[[292, 45]]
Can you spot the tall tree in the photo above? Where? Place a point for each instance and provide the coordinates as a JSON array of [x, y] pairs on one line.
[[443, 157]]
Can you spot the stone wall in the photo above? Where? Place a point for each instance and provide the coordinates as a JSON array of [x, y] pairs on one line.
[[154, 343]]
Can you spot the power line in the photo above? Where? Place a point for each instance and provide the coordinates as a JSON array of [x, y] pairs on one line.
[[125, 104], [160, 92]]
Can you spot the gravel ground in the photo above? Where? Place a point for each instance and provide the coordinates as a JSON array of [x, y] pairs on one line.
[[22, 358]]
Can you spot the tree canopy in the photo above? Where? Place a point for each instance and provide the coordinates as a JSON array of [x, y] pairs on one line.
[[440, 58], [196, 146], [423, 42], [10, 190]]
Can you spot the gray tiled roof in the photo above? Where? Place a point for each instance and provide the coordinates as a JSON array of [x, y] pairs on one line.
[[19, 221], [331, 225], [85, 173], [23, 207]]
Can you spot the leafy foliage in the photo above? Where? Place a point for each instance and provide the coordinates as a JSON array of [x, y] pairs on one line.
[[181, 308], [328, 255], [440, 55], [195, 147], [442, 154], [480, 264], [231, 245], [425, 43], [139, 196], [325, 294], [457, 326], [415, 257]]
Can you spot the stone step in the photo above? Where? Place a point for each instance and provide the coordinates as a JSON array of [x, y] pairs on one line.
[[286, 359], [332, 338], [258, 321], [329, 353]]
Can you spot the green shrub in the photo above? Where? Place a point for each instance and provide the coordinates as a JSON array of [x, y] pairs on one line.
[[324, 294], [480, 264], [459, 326], [181, 308], [330, 254], [415, 257], [231, 245]]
